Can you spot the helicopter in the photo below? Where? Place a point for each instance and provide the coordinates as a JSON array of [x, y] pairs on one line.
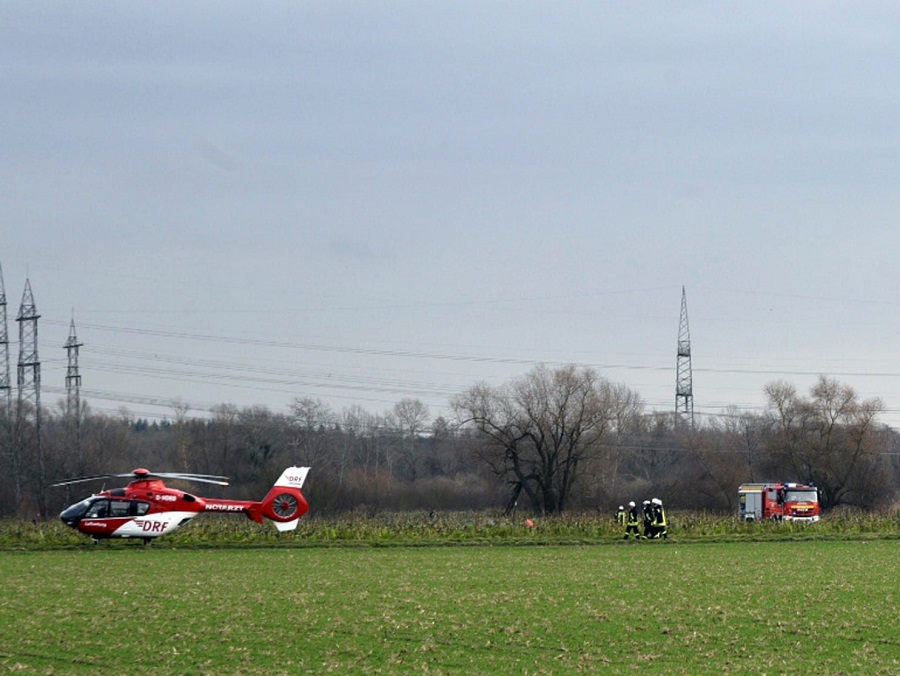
[[146, 508]]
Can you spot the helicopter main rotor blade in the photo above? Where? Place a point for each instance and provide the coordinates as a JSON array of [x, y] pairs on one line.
[[81, 479], [202, 478], [139, 475]]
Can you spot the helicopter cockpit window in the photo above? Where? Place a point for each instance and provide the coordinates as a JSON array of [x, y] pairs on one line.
[[76, 511], [98, 510], [119, 508]]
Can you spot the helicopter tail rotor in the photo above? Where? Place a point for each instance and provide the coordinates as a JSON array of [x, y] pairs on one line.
[[285, 504]]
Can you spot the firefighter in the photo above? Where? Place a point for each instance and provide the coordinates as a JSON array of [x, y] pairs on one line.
[[647, 513], [631, 526], [621, 516], [660, 522]]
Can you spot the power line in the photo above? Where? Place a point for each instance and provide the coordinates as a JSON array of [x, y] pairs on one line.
[[460, 357], [337, 381]]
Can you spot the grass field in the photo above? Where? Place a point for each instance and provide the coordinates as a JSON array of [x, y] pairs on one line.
[[649, 607]]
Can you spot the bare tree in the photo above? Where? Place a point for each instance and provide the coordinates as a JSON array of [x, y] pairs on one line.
[[543, 430], [223, 440], [652, 464], [312, 419], [749, 432], [181, 439], [264, 447], [727, 453], [830, 438], [411, 416], [311, 413]]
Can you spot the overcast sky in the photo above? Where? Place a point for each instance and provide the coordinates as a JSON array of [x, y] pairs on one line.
[[361, 201]]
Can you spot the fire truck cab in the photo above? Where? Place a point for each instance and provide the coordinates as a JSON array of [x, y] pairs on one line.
[[779, 501]]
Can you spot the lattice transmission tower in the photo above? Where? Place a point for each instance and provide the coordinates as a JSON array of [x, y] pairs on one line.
[[5, 383], [7, 440], [73, 397], [684, 388], [28, 408]]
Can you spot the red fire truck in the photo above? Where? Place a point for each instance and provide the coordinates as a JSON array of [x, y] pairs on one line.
[[787, 501]]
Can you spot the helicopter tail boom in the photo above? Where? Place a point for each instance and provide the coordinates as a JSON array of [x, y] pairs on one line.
[[284, 504]]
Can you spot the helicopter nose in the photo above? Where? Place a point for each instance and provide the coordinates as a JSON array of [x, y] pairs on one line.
[[72, 515]]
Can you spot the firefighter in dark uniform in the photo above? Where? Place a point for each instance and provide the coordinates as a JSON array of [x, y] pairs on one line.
[[660, 521], [621, 516], [631, 526], [647, 513]]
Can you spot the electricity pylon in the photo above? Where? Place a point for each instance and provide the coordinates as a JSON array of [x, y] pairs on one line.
[[5, 383], [73, 399], [8, 453], [28, 410], [684, 388]]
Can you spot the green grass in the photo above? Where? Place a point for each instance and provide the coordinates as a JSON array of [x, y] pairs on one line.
[[804, 606], [456, 528]]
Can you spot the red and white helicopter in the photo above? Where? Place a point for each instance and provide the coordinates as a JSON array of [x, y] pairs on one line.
[[147, 508]]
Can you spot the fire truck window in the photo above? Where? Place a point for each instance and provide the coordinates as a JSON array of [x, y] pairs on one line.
[[99, 510], [119, 508]]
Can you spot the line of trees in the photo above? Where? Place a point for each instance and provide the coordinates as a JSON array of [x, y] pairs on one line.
[[551, 440]]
